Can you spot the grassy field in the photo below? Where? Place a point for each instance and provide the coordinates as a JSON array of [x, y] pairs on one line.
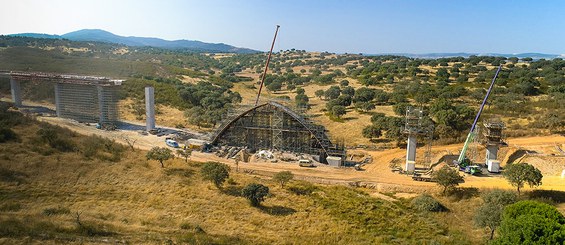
[[56, 197]]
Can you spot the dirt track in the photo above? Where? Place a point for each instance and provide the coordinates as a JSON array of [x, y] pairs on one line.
[[375, 175]]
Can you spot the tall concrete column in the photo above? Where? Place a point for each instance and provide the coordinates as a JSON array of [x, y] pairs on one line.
[[101, 105], [16, 92], [58, 108], [411, 154], [150, 108], [492, 152]]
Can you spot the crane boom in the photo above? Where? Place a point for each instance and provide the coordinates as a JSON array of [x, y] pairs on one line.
[[266, 66], [471, 134]]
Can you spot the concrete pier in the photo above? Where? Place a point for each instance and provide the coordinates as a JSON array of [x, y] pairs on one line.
[[16, 90], [492, 152], [150, 108], [411, 153]]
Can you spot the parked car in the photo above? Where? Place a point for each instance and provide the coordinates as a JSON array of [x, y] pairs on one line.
[[172, 143]]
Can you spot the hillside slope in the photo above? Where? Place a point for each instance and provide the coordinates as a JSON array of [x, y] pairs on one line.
[[49, 196]]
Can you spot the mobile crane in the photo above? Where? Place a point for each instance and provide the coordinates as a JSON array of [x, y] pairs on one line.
[[463, 162]]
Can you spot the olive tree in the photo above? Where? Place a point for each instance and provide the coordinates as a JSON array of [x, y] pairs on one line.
[[283, 177], [520, 173], [185, 153], [160, 154], [215, 172], [447, 178], [255, 193], [490, 213]]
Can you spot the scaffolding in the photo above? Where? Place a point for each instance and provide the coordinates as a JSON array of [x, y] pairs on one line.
[[493, 140], [493, 132], [414, 128], [272, 125]]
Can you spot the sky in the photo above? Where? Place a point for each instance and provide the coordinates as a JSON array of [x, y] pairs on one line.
[[340, 26]]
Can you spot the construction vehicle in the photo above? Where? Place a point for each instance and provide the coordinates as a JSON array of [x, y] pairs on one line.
[[463, 162]]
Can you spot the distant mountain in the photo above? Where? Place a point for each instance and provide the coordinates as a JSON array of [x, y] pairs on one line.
[[466, 55], [105, 36]]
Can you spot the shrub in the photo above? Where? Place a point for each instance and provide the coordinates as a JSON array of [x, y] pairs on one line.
[[215, 172], [160, 154], [56, 211], [427, 203], [283, 177], [447, 178], [531, 222], [10, 207], [302, 188], [7, 134], [255, 193]]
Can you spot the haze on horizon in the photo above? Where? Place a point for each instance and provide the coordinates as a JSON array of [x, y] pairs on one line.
[[356, 26]]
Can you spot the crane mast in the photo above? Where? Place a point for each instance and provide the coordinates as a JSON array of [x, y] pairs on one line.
[[266, 66], [471, 134]]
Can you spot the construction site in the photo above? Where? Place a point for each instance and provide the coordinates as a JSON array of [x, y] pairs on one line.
[[285, 136]]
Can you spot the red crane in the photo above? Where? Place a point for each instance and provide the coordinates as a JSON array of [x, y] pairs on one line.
[[266, 66]]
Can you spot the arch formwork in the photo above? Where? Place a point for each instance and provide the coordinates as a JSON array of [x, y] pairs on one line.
[[274, 126]]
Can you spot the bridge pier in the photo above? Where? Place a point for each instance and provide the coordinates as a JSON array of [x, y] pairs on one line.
[[16, 90], [150, 108], [411, 154]]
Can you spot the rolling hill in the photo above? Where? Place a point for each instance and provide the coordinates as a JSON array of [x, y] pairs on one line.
[[105, 36]]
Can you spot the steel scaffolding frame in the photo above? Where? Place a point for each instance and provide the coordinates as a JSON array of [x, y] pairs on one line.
[[275, 126]]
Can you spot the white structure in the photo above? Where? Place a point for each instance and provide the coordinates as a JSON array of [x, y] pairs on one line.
[[150, 108], [494, 139], [493, 166], [492, 152], [411, 153], [412, 128], [334, 161], [410, 166], [16, 92]]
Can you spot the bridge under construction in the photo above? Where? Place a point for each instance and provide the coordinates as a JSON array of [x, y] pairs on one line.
[[82, 98]]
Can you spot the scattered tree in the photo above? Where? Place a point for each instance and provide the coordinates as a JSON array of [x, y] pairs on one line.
[[332, 93], [301, 100], [215, 172], [344, 83], [350, 91], [364, 94], [338, 111], [319, 93], [255, 193], [490, 213], [185, 152], [520, 173], [129, 141], [372, 131], [364, 106], [283, 177], [447, 178], [160, 154]]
